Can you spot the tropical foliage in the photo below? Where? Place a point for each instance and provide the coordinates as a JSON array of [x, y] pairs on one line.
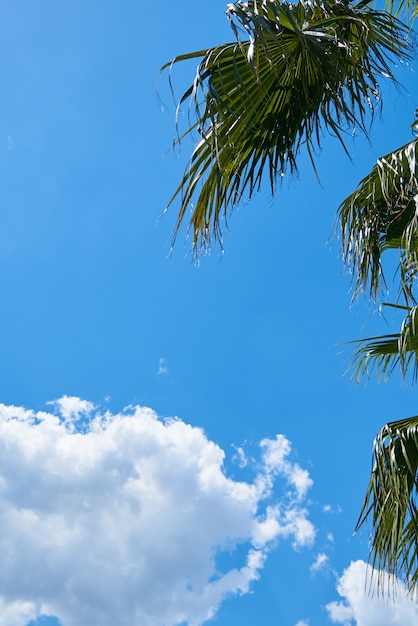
[[391, 501], [293, 71], [382, 215], [304, 68]]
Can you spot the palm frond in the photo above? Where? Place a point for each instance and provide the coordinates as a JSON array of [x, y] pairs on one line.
[[391, 501], [387, 353], [382, 214], [305, 68], [406, 8]]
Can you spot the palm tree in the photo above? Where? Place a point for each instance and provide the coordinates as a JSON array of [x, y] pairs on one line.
[[293, 71], [391, 502], [304, 68], [380, 215]]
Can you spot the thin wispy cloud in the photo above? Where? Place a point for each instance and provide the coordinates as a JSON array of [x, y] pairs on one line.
[[320, 564], [328, 508], [103, 515], [240, 457], [162, 367]]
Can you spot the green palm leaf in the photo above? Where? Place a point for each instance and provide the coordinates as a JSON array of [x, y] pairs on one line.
[[387, 353], [382, 214], [391, 501], [409, 8], [304, 68]]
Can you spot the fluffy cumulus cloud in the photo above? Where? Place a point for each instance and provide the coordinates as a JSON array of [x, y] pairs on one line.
[[363, 605], [123, 518]]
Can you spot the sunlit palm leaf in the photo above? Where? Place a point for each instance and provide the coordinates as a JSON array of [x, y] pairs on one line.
[[391, 501], [382, 355], [306, 67], [381, 214], [408, 8]]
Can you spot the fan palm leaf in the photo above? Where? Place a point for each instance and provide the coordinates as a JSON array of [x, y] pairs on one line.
[[382, 213], [391, 501], [305, 68]]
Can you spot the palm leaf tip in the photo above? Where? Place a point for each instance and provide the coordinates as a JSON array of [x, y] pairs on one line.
[[387, 353], [304, 68], [391, 502], [382, 214]]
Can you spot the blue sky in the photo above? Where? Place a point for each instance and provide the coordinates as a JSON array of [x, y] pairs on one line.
[[114, 515]]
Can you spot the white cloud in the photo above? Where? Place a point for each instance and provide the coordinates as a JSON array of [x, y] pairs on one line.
[[302, 623], [240, 457], [362, 605], [71, 408], [102, 516], [321, 562], [17, 613], [328, 508], [162, 367], [275, 458]]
